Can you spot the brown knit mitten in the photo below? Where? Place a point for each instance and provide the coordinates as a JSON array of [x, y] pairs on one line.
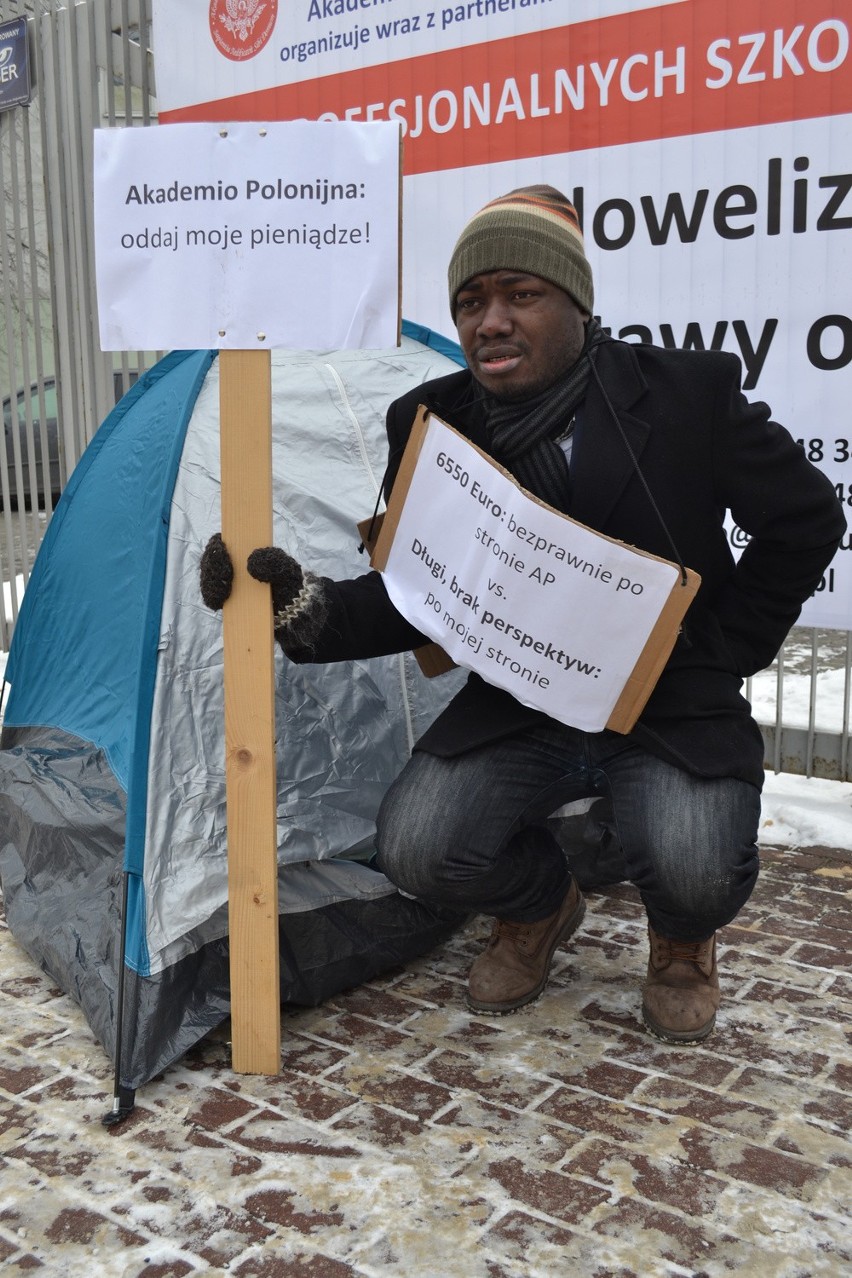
[[217, 573], [299, 601]]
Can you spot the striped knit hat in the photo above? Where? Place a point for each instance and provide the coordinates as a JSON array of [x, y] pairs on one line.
[[533, 229]]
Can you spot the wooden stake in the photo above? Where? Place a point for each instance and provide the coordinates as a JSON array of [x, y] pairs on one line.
[[245, 408]]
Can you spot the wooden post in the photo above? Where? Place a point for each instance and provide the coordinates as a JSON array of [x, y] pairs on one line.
[[245, 408]]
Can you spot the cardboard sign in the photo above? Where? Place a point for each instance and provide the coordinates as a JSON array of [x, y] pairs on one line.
[[569, 621], [248, 236]]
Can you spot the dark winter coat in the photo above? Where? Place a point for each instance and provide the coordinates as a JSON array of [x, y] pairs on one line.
[[703, 449]]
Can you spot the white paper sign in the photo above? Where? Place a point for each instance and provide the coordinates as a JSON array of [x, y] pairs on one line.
[[532, 601], [248, 235]]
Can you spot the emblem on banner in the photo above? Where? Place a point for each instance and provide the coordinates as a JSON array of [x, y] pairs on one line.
[[241, 28]]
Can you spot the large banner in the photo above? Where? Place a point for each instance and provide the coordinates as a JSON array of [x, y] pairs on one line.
[[705, 145]]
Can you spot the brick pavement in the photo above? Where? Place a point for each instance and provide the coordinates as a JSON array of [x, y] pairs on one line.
[[405, 1136]]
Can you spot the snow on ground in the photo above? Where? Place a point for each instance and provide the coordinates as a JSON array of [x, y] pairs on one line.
[[7, 599], [806, 812], [830, 699]]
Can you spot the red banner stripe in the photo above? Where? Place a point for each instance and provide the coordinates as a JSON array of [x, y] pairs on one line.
[[672, 71]]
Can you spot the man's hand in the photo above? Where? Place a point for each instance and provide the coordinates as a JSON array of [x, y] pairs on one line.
[[284, 575], [217, 573], [299, 601]]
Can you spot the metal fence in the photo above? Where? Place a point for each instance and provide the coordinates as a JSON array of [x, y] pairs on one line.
[[93, 66]]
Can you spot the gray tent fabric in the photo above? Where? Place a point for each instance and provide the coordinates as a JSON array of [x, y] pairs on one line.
[[343, 732]]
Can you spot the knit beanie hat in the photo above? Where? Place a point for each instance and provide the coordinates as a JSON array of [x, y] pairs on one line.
[[532, 229]]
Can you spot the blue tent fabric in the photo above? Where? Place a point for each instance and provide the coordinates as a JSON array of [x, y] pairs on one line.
[[435, 341], [136, 452]]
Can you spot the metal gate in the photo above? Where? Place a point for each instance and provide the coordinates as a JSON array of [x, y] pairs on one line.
[[93, 66]]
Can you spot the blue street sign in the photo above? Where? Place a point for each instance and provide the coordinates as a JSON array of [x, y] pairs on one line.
[[15, 88]]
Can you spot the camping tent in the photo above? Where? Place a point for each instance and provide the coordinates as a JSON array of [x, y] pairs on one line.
[[112, 782]]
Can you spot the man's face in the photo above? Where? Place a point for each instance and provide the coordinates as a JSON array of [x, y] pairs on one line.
[[519, 332]]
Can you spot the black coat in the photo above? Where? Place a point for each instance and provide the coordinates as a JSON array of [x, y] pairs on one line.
[[703, 449]]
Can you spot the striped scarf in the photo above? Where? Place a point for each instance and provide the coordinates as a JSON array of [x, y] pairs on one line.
[[523, 435]]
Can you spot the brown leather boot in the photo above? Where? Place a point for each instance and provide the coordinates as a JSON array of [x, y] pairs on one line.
[[681, 992], [514, 966]]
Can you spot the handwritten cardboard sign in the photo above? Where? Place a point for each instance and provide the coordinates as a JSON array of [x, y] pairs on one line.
[[567, 620], [248, 236]]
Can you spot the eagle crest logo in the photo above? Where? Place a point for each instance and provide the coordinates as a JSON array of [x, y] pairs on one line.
[[241, 28], [241, 17]]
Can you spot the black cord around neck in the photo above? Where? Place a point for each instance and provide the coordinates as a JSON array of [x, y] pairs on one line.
[[643, 481]]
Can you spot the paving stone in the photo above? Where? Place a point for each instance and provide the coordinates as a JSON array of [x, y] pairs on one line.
[[754, 1164], [16, 1123], [367, 1038], [310, 1057], [379, 1003], [556, 1195], [17, 1076], [760, 947], [701, 1105], [378, 1125], [532, 1134], [432, 988], [831, 1108], [824, 956], [7, 1249], [53, 1157], [311, 1097], [693, 1063], [677, 1238], [218, 1108], [535, 1246], [585, 1113], [840, 1074], [827, 1149], [661, 1181], [371, 1081], [753, 1033], [486, 1078], [839, 987], [603, 1077], [302, 1265], [283, 1135], [167, 1269]]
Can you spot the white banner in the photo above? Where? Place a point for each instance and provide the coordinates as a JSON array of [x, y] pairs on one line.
[[534, 602], [247, 236], [705, 146]]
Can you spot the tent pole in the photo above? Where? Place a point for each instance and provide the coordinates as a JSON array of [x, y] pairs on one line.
[[123, 1098]]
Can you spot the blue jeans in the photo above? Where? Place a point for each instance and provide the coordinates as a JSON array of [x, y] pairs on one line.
[[471, 832]]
